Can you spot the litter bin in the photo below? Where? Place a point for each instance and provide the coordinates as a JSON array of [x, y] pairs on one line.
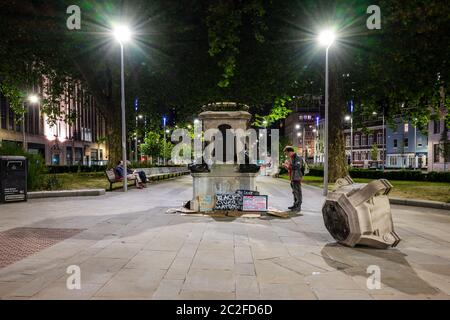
[[13, 178]]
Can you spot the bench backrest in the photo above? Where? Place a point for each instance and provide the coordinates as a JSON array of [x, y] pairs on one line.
[[111, 175], [163, 170]]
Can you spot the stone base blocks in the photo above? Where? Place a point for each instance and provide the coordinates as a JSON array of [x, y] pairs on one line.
[[360, 214]]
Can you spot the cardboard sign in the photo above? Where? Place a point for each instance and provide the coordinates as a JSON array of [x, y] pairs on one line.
[[206, 203], [254, 203]]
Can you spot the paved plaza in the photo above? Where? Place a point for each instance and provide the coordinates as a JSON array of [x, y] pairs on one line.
[[128, 247]]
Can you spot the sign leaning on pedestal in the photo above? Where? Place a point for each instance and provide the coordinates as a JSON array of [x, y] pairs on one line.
[[358, 214]]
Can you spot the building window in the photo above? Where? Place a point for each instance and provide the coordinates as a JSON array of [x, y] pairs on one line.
[[347, 141], [395, 143], [406, 143], [393, 161], [436, 126], [419, 141], [363, 140], [436, 153], [446, 150], [380, 138], [406, 127], [357, 140], [370, 139]]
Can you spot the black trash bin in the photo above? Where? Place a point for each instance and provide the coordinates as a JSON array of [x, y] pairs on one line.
[[13, 178]]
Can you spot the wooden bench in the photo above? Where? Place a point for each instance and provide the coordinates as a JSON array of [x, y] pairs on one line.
[[152, 174], [156, 173], [112, 178]]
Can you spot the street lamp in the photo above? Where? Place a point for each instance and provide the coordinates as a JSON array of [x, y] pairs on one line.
[[326, 38], [32, 99], [123, 34], [383, 143], [165, 131], [350, 118]]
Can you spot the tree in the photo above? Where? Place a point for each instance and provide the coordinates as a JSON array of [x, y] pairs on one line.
[[374, 152], [152, 144]]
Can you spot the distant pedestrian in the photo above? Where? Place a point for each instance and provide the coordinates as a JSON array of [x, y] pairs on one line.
[[294, 165]]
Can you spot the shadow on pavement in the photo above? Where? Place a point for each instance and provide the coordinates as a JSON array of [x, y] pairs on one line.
[[396, 272]]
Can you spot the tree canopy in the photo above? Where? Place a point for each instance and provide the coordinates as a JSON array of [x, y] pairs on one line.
[[186, 53]]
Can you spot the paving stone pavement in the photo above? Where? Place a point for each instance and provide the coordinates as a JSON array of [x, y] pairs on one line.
[[131, 249]]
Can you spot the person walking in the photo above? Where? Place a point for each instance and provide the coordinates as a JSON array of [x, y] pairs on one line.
[[294, 165]]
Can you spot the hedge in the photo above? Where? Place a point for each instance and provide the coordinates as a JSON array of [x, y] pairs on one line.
[[92, 168], [406, 175], [75, 169]]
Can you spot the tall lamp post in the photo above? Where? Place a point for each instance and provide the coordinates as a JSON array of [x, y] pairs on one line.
[[326, 38], [350, 118], [122, 35], [383, 143], [164, 150], [32, 99], [136, 105]]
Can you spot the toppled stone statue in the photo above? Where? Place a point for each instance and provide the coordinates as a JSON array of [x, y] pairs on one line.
[[358, 214]]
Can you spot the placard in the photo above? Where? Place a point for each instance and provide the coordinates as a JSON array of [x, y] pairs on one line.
[[206, 203], [254, 203]]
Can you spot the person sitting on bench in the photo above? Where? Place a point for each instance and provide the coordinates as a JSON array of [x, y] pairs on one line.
[[130, 175]]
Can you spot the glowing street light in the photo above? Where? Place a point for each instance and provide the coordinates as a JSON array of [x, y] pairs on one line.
[[33, 99], [326, 38], [123, 34], [297, 126]]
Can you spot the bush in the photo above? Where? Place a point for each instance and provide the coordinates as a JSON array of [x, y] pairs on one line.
[[75, 169], [405, 175], [52, 183], [36, 164]]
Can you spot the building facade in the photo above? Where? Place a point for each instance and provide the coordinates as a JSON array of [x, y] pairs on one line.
[[438, 159], [407, 147], [301, 127], [80, 141], [366, 144]]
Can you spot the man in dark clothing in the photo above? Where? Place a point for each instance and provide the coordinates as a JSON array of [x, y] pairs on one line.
[[294, 166]]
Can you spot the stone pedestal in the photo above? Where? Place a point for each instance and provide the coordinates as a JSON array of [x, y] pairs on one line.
[[222, 178], [360, 214]]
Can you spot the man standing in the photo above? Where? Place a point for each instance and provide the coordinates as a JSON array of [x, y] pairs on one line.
[[294, 166]]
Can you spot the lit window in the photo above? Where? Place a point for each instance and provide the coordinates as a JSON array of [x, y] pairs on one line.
[[406, 128]]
